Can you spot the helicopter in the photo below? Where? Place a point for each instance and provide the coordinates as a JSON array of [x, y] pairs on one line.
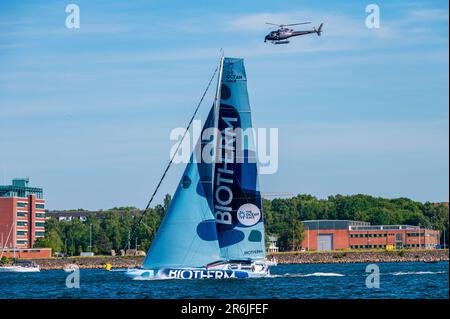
[[281, 35]]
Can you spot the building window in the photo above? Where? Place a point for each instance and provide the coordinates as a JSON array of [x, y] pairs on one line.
[[21, 214], [20, 204], [21, 233], [21, 242], [21, 223], [39, 224], [40, 206], [39, 234], [39, 215]]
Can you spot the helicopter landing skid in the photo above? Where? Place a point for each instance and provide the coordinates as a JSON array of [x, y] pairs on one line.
[[280, 42]]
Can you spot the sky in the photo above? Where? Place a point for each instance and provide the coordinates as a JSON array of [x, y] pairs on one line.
[[86, 113]]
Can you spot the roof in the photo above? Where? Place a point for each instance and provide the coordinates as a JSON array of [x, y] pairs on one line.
[[332, 224], [384, 227]]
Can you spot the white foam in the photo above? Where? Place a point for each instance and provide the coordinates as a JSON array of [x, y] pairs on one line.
[[324, 274], [152, 278], [315, 274], [402, 273]]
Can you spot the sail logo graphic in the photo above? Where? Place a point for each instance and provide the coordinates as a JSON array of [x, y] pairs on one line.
[[248, 214], [230, 74], [204, 274]]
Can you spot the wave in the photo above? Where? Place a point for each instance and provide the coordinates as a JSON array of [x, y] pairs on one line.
[[324, 274], [151, 278], [403, 273], [315, 274]]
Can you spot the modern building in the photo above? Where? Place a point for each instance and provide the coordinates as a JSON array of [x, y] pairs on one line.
[[22, 214], [348, 234]]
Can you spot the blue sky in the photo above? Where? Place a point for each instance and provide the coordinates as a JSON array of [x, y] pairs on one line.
[[87, 113]]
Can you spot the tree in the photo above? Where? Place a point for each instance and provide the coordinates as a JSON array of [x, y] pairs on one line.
[[167, 200], [102, 244], [51, 240], [282, 218], [298, 230], [5, 260]]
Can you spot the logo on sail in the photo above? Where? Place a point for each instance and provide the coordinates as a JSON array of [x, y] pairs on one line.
[[248, 214]]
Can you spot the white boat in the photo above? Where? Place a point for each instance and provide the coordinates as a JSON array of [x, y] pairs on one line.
[[19, 268], [214, 225]]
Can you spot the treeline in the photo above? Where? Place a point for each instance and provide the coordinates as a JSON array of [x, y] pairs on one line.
[[111, 229], [280, 213]]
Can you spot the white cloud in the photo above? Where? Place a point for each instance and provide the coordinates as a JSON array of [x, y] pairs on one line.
[[365, 138], [430, 14]]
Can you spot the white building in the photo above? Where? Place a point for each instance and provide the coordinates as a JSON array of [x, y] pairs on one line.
[[273, 248]]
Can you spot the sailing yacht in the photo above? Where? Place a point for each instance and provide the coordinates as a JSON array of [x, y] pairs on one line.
[[214, 225], [17, 266], [21, 267]]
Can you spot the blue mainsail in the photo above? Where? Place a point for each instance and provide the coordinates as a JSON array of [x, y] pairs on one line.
[[187, 236], [236, 195], [216, 212]]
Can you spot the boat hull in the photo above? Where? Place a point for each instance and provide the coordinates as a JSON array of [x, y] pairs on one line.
[[19, 269], [191, 273]]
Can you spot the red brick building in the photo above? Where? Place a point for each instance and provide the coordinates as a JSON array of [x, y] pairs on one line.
[[347, 234], [22, 216]]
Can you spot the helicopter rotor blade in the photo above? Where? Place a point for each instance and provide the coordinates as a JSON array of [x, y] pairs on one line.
[[297, 23], [278, 25]]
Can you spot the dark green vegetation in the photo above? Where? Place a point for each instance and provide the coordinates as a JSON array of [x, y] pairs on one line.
[[111, 229], [280, 213], [5, 260]]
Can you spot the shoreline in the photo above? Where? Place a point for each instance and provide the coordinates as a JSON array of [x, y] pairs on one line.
[[350, 257], [284, 258]]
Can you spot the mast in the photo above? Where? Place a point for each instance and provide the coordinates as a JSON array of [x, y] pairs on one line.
[[15, 240], [7, 238], [90, 238], [216, 120], [420, 242]]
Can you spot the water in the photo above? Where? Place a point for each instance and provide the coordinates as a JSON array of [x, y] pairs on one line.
[[397, 280]]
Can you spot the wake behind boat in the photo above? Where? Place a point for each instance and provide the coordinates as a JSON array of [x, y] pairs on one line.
[[214, 225]]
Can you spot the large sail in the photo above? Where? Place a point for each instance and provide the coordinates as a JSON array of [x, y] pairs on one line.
[[236, 196], [187, 236]]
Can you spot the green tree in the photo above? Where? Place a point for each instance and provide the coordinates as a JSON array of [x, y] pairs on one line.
[[299, 233], [51, 240], [102, 243]]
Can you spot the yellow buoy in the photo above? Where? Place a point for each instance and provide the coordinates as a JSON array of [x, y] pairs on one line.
[[108, 267]]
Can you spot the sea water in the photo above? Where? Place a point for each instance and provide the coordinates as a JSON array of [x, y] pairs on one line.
[[396, 280]]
